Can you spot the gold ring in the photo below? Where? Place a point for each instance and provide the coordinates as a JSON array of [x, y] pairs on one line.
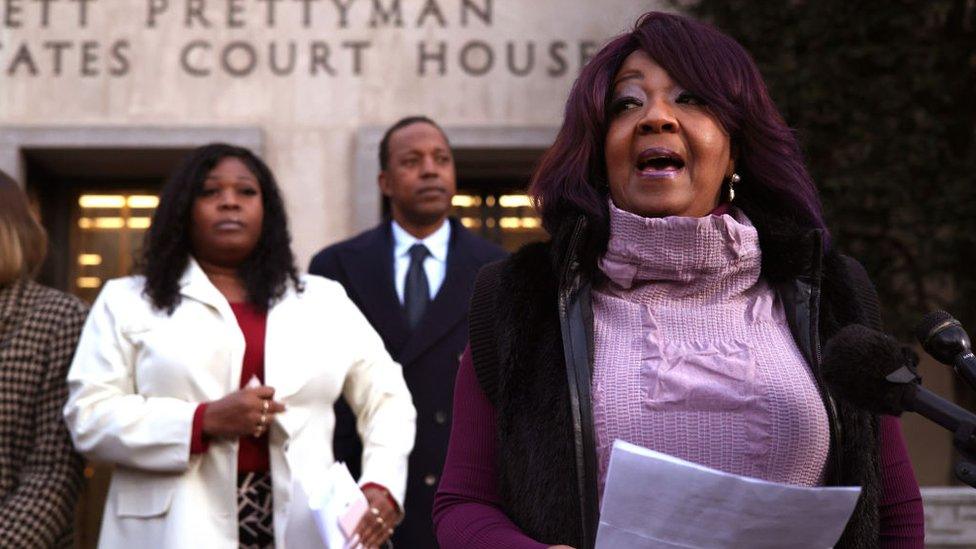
[[258, 431], [380, 520], [375, 511], [263, 422], [266, 406], [389, 531]]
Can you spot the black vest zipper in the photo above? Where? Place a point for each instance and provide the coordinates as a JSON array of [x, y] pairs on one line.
[[576, 356]]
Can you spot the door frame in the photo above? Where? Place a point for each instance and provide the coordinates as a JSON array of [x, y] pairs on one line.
[[14, 140]]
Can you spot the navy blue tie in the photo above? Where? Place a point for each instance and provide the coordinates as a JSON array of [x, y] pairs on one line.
[[416, 290]]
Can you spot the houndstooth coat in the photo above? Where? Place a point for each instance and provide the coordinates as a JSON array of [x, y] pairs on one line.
[[40, 473]]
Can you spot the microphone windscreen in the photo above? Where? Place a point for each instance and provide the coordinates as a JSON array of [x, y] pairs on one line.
[[943, 337], [931, 321], [857, 360]]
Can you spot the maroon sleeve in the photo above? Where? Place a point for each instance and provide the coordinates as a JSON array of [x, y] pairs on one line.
[[902, 521], [198, 442], [467, 508], [389, 496]]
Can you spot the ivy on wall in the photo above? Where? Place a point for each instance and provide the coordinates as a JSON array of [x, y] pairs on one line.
[[883, 97]]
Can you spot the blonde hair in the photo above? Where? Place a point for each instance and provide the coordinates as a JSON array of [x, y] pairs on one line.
[[23, 242]]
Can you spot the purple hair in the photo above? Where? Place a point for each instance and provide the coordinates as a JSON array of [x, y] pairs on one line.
[[571, 178]]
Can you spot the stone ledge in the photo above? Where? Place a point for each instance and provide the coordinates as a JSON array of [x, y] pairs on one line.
[[950, 517]]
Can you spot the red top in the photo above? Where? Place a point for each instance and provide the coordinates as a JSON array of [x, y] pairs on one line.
[[252, 455]]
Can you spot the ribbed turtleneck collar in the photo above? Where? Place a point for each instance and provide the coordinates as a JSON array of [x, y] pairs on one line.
[[682, 255]]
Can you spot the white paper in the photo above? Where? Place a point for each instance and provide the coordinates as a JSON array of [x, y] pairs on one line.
[[655, 500], [329, 499]]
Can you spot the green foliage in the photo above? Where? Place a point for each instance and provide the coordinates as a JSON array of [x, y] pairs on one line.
[[883, 97]]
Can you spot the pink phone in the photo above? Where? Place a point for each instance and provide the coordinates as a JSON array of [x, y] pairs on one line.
[[351, 517]]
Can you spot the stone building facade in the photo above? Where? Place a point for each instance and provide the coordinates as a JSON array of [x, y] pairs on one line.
[[98, 99]]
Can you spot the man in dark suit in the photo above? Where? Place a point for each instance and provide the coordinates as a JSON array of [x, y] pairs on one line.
[[412, 277]]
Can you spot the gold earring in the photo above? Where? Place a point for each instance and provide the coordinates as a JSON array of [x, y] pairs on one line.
[[733, 179]]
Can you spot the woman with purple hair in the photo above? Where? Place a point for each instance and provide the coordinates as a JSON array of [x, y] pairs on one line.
[[679, 305]]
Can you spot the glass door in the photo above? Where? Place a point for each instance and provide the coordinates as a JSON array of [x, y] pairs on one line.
[[106, 237], [508, 219]]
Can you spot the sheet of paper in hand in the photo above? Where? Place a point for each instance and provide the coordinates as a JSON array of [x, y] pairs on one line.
[[337, 504], [656, 500]]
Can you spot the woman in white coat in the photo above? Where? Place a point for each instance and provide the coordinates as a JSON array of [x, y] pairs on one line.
[[209, 379]]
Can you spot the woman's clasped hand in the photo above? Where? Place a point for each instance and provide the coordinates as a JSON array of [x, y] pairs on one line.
[[248, 411]]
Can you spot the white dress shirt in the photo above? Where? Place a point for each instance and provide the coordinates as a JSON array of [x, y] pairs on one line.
[[435, 265]]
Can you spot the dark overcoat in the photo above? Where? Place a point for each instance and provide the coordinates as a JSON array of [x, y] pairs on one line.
[[429, 355]]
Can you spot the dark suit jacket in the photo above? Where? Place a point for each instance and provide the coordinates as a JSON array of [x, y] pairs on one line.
[[429, 356]]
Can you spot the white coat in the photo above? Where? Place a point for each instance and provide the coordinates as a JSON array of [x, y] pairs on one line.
[[139, 374]]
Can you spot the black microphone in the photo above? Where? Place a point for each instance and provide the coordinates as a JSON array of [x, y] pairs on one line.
[[946, 340], [876, 373]]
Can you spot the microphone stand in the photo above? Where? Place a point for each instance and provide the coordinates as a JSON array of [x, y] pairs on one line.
[[958, 421], [965, 466], [951, 417]]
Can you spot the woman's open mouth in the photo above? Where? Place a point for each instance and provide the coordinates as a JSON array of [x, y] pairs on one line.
[[659, 162]]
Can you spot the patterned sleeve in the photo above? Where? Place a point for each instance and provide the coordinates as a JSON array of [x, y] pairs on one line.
[[39, 512]]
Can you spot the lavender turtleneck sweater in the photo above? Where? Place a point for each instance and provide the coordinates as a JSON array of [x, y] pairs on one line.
[[693, 354], [672, 389]]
